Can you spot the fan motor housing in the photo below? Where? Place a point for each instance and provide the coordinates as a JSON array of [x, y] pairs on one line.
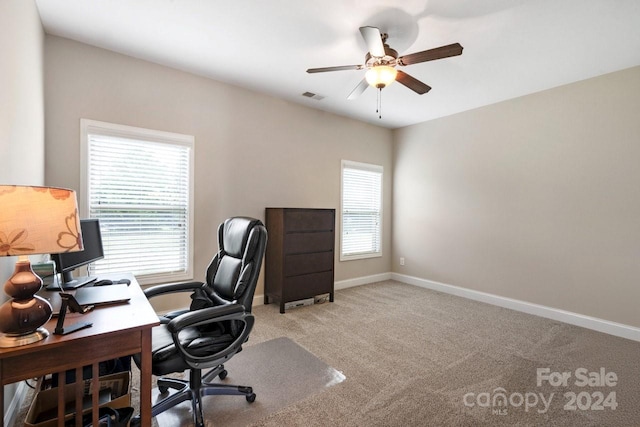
[[388, 59]]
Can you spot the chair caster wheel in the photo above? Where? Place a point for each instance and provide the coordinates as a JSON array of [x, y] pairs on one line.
[[222, 375], [251, 397], [162, 389]]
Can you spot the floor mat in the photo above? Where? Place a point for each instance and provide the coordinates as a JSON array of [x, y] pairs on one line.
[[280, 372]]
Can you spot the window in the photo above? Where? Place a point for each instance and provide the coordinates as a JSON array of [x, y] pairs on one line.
[[361, 211], [139, 183]]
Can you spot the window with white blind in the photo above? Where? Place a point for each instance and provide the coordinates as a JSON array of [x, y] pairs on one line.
[[361, 235], [139, 183]]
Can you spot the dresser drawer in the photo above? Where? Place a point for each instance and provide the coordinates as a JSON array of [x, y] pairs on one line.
[[298, 243], [307, 285], [308, 220], [295, 265]]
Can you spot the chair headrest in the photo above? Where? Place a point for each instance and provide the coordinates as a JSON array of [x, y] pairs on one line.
[[235, 235]]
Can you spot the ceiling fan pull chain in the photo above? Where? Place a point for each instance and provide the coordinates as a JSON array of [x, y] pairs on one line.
[[379, 103]]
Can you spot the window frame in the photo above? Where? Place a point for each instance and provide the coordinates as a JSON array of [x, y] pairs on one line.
[[348, 164], [87, 127]]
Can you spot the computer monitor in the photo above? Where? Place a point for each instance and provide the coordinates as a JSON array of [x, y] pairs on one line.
[[66, 262]]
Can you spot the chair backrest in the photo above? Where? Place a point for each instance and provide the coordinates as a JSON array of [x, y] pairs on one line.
[[233, 273]]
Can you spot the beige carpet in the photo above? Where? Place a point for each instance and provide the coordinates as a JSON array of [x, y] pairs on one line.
[[411, 356]]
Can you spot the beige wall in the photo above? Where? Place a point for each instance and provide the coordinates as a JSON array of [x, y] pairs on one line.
[[21, 111], [252, 150], [21, 89], [536, 198]]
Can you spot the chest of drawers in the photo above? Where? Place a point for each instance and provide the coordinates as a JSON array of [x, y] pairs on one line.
[[299, 261]]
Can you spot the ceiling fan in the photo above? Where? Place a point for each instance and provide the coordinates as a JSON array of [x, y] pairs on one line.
[[381, 62]]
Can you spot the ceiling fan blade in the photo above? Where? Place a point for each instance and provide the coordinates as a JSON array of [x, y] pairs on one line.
[[431, 54], [373, 38], [412, 83], [338, 68], [355, 93]]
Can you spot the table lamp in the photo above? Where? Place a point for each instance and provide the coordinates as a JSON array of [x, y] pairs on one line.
[[33, 220]]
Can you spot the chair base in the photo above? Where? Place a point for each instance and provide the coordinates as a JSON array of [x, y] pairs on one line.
[[195, 389]]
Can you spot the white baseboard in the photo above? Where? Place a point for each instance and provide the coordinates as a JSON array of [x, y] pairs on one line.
[[257, 300], [349, 283], [342, 284], [594, 323]]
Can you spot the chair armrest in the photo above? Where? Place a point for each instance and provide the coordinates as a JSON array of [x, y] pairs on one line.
[[172, 288], [207, 316]]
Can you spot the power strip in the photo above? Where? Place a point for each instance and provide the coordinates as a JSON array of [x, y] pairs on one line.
[[299, 303]]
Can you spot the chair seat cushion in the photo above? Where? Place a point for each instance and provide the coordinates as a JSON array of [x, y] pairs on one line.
[[167, 359]]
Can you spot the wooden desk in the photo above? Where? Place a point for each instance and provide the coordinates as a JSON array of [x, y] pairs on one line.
[[118, 330]]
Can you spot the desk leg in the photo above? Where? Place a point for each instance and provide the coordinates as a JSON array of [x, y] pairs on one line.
[[145, 379]]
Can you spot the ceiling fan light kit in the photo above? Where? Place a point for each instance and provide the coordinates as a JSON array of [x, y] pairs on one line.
[[381, 62], [381, 76]]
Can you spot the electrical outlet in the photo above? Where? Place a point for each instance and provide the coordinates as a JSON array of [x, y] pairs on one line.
[[401, 260]]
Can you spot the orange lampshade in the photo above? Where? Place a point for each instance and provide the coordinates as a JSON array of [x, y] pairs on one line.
[[38, 220]]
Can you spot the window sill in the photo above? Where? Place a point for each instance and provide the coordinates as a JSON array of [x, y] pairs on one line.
[[360, 256]]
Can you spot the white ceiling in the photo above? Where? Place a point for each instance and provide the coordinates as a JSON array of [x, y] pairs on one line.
[[511, 47]]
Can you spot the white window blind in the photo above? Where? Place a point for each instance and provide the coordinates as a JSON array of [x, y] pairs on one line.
[[361, 210], [139, 184]]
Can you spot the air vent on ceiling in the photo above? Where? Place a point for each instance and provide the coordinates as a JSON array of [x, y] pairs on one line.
[[313, 96]]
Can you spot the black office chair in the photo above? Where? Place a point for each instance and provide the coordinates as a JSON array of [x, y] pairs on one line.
[[217, 323]]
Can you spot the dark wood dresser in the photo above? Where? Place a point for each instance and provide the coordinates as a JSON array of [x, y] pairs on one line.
[[300, 254]]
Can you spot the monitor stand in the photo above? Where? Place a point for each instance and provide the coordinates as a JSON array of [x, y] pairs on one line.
[[71, 284]]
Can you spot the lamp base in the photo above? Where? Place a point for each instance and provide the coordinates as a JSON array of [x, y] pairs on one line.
[[23, 316], [11, 340]]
